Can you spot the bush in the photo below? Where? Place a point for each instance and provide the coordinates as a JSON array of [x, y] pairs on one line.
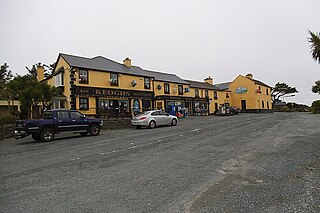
[[7, 119], [316, 107]]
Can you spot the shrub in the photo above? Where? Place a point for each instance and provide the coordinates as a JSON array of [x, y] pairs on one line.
[[316, 107], [7, 119]]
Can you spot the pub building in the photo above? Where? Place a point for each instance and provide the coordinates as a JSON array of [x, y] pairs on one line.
[[101, 87]]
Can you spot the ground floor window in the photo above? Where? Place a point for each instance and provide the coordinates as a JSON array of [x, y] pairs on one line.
[[83, 103], [113, 107], [58, 104], [200, 108]]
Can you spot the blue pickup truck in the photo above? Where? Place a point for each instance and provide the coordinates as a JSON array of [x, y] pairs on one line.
[[56, 121]]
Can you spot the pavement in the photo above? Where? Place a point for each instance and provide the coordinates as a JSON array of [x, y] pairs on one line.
[[243, 163]]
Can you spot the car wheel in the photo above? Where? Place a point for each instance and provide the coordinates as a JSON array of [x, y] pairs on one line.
[[83, 133], [174, 122], [47, 135], [152, 124], [138, 127], [35, 137], [94, 130]]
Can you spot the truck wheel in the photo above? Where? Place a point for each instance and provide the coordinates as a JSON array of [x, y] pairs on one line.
[[94, 130], [47, 135], [35, 137]]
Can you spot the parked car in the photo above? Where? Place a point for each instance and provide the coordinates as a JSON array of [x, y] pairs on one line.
[[233, 110], [227, 110], [154, 118], [56, 121]]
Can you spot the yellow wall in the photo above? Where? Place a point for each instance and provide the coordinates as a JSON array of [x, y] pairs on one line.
[[253, 99], [101, 79], [173, 89]]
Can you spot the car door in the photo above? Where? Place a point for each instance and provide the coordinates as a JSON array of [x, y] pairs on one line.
[[78, 120], [157, 117], [166, 118], [63, 121]]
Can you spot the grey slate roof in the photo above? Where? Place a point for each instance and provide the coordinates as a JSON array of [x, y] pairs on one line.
[[166, 77], [223, 86], [203, 85], [103, 64]]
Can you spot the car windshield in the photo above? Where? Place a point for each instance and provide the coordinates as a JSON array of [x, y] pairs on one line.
[[47, 115]]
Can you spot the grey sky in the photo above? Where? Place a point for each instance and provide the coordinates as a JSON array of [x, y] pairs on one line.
[[193, 39]]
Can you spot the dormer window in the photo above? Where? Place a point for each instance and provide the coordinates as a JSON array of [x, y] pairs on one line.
[[83, 76], [113, 79]]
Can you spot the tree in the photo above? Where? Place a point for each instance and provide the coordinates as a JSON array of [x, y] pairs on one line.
[[314, 40], [316, 88], [49, 69], [280, 90], [32, 72], [5, 77]]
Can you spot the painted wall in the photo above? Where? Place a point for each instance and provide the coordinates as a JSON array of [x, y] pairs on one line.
[[253, 99]]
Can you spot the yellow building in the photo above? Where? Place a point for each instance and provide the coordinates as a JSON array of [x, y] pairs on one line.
[[104, 88], [250, 95]]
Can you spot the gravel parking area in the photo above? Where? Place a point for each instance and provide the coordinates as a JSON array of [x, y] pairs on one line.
[[244, 163]]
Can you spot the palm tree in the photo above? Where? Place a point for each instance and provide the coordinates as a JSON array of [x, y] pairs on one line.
[[314, 39]]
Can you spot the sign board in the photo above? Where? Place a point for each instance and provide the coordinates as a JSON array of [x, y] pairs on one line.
[[241, 90]]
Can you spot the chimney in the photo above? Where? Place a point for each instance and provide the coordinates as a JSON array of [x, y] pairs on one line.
[[209, 80], [40, 72], [249, 75], [127, 62]]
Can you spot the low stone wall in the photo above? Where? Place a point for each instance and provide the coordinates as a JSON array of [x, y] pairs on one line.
[[6, 131], [114, 123]]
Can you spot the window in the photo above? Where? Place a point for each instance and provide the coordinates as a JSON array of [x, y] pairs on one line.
[[58, 80], [267, 91], [227, 95], [84, 103], [147, 83], [206, 93], [113, 79], [76, 115], [196, 92], [167, 88], [83, 76], [262, 104], [63, 115], [267, 105], [215, 95], [180, 89]]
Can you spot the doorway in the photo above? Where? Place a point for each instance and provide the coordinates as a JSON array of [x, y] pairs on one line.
[[243, 105]]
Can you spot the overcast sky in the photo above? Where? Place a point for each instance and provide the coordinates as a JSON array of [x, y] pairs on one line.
[[193, 39]]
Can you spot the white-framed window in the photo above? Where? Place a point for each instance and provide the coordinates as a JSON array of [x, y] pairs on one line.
[[58, 80], [83, 76]]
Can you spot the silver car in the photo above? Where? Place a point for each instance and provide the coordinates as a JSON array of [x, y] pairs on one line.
[[154, 118]]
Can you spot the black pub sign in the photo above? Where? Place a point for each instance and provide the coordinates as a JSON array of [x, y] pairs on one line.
[[106, 92]]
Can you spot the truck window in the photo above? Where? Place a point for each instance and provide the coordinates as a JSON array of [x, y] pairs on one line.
[[63, 115], [47, 115], [76, 115]]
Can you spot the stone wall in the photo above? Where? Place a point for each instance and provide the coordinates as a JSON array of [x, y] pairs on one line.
[[6, 131]]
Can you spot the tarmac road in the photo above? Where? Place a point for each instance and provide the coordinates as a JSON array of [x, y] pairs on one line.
[[243, 163]]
